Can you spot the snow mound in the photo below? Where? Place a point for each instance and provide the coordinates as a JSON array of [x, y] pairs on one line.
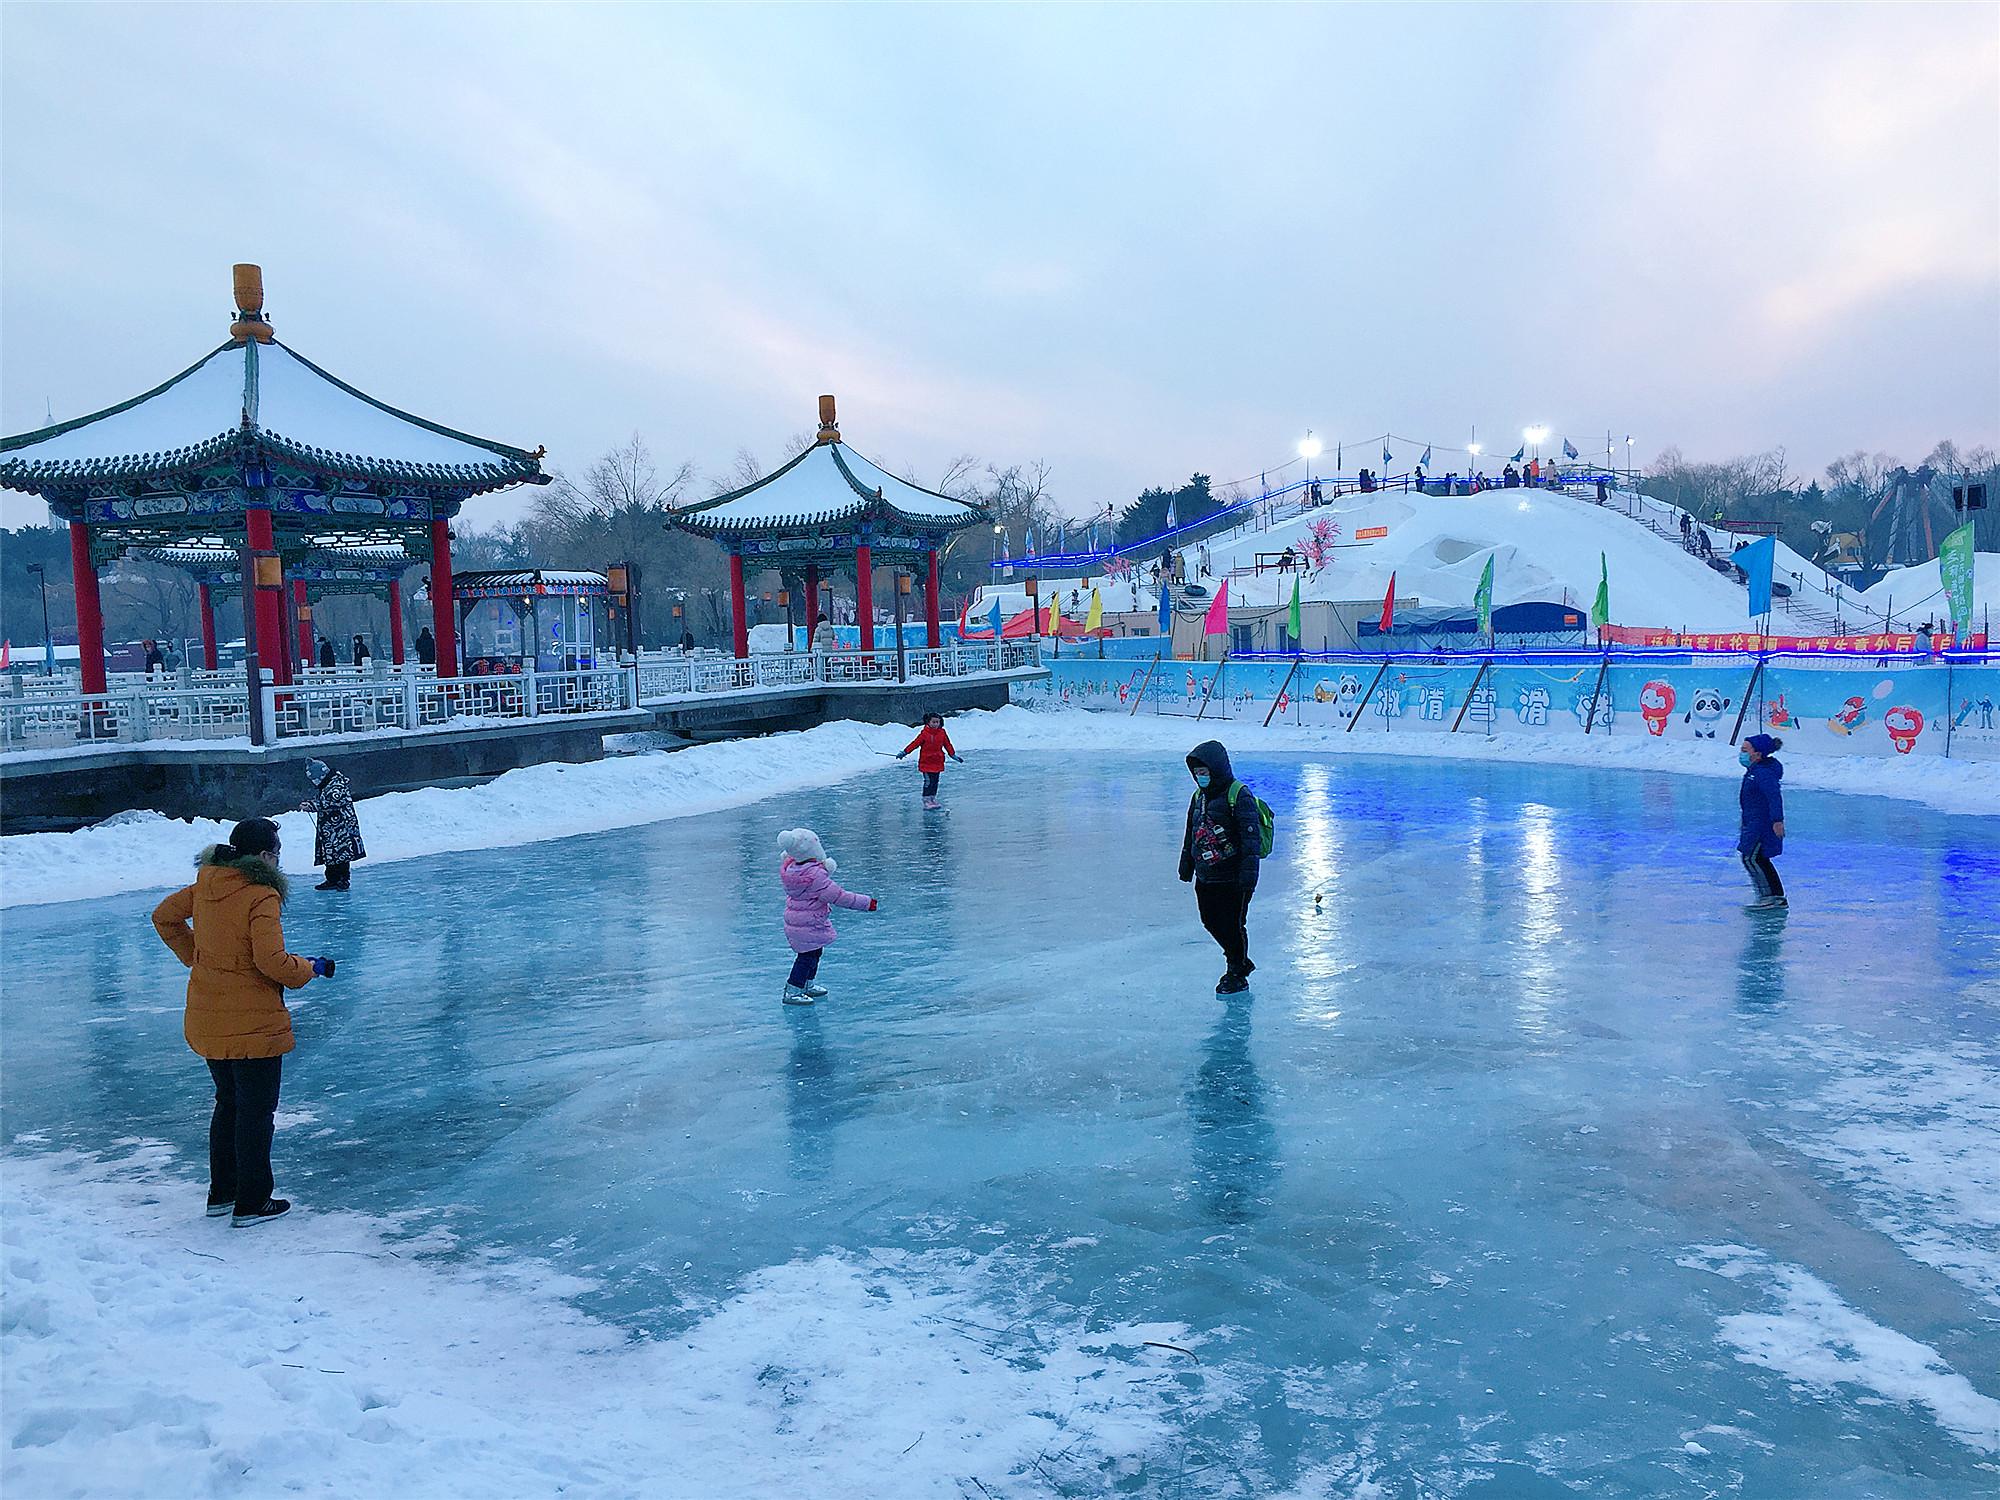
[[148, 1351]]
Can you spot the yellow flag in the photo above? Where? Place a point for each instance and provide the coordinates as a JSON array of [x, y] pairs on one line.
[[1055, 614], [1095, 619]]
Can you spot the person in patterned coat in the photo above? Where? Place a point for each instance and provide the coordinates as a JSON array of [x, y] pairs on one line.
[[337, 841]]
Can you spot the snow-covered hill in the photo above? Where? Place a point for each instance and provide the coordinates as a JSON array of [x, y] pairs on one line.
[[1546, 545]]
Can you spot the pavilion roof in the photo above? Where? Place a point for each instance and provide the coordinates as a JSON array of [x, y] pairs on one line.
[[826, 484], [251, 396]]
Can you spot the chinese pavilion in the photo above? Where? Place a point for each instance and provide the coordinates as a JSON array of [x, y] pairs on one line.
[[374, 571], [255, 451], [820, 510]]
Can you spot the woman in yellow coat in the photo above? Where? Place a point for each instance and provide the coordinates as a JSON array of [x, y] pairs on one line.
[[236, 1016]]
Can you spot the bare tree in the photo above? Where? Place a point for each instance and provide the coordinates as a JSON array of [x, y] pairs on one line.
[[745, 470], [957, 480]]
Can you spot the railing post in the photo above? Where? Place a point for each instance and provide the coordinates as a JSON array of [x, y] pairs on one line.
[[409, 702], [138, 721], [531, 706]]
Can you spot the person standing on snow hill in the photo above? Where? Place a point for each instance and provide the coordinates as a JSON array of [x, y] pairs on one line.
[[337, 839], [1762, 832], [1220, 852], [236, 1016], [810, 896], [932, 745]]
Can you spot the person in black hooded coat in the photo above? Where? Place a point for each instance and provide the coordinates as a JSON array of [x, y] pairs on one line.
[[1220, 853]]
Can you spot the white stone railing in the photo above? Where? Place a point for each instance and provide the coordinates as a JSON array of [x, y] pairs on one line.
[[356, 704]]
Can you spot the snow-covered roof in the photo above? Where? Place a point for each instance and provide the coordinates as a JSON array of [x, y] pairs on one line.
[[827, 483], [507, 581], [282, 403]]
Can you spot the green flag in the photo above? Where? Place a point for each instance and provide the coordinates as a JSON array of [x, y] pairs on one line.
[[1483, 600], [1293, 623], [1955, 569], [1600, 607]]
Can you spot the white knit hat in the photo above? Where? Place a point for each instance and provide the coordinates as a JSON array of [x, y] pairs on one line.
[[802, 844]]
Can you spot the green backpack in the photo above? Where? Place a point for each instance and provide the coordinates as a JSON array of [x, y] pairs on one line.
[[1266, 820]]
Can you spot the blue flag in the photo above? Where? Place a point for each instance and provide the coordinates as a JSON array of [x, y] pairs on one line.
[[1569, 449], [1427, 456], [1166, 609], [1385, 452], [996, 621], [1756, 561], [1519, 454]]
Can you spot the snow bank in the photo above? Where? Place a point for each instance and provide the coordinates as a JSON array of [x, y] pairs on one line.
[[141, 851], [144, 851], [1817, 1341], [149, 1351]]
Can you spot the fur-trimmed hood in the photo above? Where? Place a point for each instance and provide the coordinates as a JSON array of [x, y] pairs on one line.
[[249, 866]]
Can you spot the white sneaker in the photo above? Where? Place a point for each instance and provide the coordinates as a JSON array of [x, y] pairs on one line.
[[796, 996], [816, 990]]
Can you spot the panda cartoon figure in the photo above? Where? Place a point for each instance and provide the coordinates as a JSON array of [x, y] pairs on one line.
[[1350, 693], [1705, 712]]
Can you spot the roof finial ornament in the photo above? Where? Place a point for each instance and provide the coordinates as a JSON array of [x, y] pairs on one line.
[[250, 321], [829, 430]]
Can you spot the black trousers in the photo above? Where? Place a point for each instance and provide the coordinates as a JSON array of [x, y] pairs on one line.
[[337, 871], [239, 1132], [1224, 911], [931, 783], [805, 968], [1763, 874]]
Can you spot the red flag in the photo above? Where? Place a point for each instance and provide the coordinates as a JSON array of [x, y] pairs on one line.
[[1389, 607]]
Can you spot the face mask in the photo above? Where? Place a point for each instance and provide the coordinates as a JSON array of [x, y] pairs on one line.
[[1743, 757], [1201, 780]]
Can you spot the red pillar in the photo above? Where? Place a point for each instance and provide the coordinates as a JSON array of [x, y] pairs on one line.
[[864, 595], [303, 614], [812, 601], [739, 612], [444, 615], [932, 635], [395, 622], [264, 609], [89, 609], [207, 604]]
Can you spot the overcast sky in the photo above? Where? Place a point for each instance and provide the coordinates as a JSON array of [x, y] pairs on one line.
[[1132, 242]]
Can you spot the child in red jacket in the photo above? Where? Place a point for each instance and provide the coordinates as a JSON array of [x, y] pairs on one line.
[[934, 745]]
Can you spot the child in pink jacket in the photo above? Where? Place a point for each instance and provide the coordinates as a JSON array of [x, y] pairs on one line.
[[810, 896]]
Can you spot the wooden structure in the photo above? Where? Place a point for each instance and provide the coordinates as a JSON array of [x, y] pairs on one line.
[[826, 507], [256, 453]]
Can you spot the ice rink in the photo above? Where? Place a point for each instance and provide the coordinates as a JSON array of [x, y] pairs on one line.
[[1531, 1165]]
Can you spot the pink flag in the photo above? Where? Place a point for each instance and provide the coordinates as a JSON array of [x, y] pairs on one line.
[[1218, 612]]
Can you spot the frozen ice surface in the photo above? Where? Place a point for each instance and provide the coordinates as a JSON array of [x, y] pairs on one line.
[[1532, 1166]]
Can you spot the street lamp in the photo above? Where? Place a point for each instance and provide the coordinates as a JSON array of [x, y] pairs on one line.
[[48, 641], [1534, 436], [1628, 453]]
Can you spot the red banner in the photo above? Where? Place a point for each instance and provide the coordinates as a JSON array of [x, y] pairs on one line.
[[1884, 644]]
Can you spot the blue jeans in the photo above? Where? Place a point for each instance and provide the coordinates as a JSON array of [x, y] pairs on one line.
[[804, 967]]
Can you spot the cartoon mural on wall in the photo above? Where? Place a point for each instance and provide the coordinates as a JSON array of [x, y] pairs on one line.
[[1904, 725], [1705, 712], [1656, 706], [1853, 714]]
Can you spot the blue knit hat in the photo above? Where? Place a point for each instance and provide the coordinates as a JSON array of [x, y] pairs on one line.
[[1763, 744]]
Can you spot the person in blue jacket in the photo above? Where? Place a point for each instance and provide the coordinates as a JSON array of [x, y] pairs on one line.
[[1762, 833], [1220, 852]]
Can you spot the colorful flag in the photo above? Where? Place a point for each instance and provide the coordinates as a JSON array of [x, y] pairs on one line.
[[1293, 624], [1388, 622], [1425, 460], [1062, 536], [1483, 600], [1170, 513], [1600, 607], [1569, 449], [1955, 569], [1031, 541], [1218, 612], [1756, 561], [1094, 621]]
